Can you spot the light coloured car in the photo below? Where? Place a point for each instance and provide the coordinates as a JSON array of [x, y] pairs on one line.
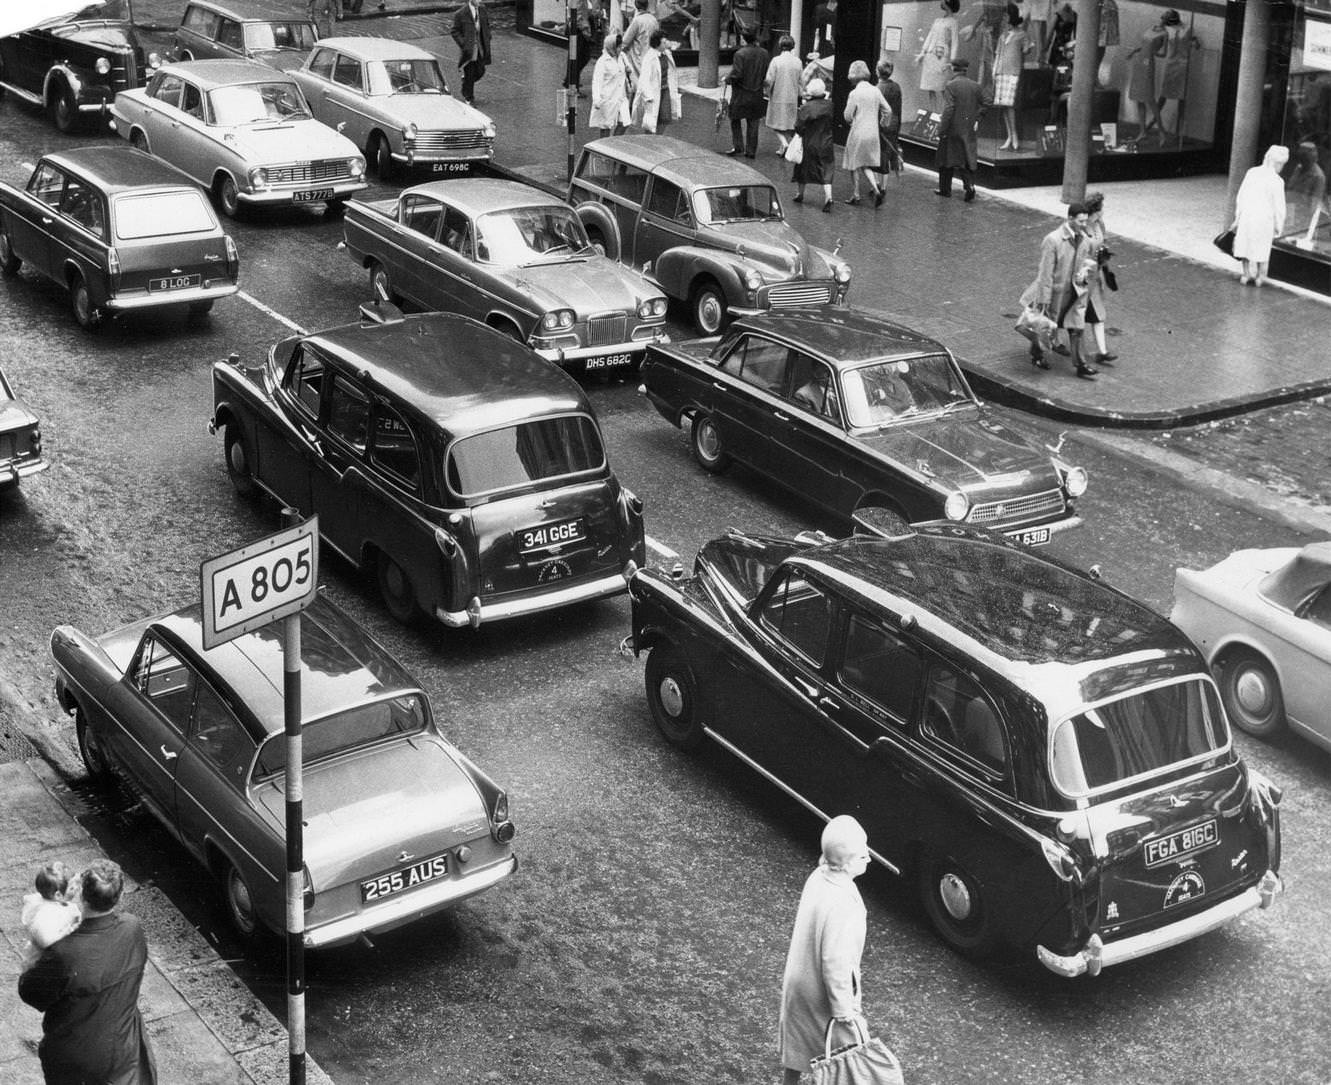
[[242, 130], [1262, 618], [391, 99], [20, 439]]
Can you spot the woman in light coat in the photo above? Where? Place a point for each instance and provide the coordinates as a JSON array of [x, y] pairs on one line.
[[1259, 215], [610, 89], [656, 102], [782, 87], [866, 110]]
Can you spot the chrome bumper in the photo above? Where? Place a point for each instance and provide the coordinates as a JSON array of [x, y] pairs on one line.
[[9, 473], [1053, 529], [171, 297], [478, 612], [559, 355], [404, 909], [1098, 954], [283, 196]]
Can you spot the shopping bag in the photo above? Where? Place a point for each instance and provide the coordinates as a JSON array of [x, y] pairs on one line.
[[868, 1061], [1225, 241], [1038, 327], [794, 152]]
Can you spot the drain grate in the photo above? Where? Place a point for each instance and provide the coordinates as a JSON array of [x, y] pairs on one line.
[[13, 746], [84, 799]]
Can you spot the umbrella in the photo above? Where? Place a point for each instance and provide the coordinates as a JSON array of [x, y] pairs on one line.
[[30, 13]]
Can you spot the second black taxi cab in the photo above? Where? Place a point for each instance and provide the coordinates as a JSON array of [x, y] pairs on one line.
[[441, 456]]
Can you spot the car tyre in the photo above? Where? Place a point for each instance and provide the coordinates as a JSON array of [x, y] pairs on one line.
[[240, 907], [238, 463], [708, 448], [672, 696], [1251, 693], [381, 284], [90, 750], [89, 317], [709, 308], [9, 262], [139, 141], [955, 905], [64, 110], [396, 589], [382, 154], [228, 195]]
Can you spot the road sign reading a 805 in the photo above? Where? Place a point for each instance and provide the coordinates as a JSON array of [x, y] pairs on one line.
[[260, 583]]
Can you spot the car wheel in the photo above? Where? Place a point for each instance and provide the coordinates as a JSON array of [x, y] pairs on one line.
[[228, 195], [709, 308], [597, 241], [382, 154], [64, 110], [238, 462], [80, 299], [672, 695], [139, 141], [9, 263], [395, 587], [94, 760], [381, 286], [240, 906], [955, 906], [707, 447], [1251, 692]]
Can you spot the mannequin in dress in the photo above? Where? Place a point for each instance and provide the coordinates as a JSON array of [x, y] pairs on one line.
[[1141, 79], [937, 53], [1013, 48], [1176, 50]]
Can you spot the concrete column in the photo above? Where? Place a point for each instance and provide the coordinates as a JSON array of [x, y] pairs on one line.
[[1085, 62], [709, 44], [1243, 149], [796, 26]]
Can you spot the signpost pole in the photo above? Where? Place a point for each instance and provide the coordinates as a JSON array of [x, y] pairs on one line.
[[295, 838]]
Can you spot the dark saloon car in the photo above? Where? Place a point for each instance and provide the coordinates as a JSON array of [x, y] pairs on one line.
[[398, 823], [75, 64], [711, 228], [445, 458], [241, 31], [867, 419], [1046, 759], [20, 439], [121, 229]]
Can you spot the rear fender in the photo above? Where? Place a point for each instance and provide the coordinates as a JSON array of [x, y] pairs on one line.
[[679, 268], [83, 667], [595, 216]]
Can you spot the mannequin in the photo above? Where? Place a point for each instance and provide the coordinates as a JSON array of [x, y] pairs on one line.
[[937, 53], [1176, 49]]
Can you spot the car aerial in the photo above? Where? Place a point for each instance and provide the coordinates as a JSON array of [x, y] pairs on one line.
[[866, 418], [73, 65], [1043, 757], [449, 461], [242, 130], [20, 438], [391, 99], [1262, 619], [513, 257], [710, 228], [398, 824], [121, 230], [210, 31]]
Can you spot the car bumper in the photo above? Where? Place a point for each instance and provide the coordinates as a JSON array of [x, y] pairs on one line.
[[269, 197], [400, 910], [1039, 534], [11, 473], [478, 613], [1097, 955], [172, 297], [561, 355]]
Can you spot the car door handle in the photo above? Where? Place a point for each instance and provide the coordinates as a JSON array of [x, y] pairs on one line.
[[168, 755], [827, 704], [46, 221], [780, 417], [719, 386]]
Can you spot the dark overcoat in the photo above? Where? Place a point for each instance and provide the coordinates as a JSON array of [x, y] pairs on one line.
[[472, 35], [814, 125], [964, 103], [748, 72]]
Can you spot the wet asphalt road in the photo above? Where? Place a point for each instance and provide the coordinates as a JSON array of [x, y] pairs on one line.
[[644, 936]]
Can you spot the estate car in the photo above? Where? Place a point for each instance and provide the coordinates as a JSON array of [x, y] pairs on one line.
[[215, 31], [1044, 758], [20, 438], [451, 462]]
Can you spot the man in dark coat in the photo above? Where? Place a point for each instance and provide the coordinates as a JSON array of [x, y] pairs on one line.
[[471, 30], [87, 987], [748, 70], [964, 103]]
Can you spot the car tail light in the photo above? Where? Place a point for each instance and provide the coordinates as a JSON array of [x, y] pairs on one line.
[[232, 256], [36, 440], [113, 268], [448, 544], [1060, 860]]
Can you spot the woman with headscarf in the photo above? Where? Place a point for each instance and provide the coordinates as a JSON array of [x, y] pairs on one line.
[[1259, 214], [782, 87], [866, 110], [813, 124], [656, 102], [610, 89]]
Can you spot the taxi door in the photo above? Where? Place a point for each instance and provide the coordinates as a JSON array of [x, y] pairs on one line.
[[337, 475]]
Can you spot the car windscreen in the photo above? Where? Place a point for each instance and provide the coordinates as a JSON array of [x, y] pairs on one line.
[[260, 37], [527, 453], [346, 731], [405, 76], [162, 214], [1137, 735], [257, 103], [883, 391], [528, 235], [736, 203]]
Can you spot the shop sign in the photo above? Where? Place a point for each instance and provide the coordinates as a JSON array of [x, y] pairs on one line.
[[1317, 44]]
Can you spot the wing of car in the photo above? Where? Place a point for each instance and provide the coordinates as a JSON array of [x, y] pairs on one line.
[[20, 433]]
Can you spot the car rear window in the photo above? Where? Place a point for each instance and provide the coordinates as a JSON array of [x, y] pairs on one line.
[[161, 214], [346, 731], [1137, 735], [536, 451]]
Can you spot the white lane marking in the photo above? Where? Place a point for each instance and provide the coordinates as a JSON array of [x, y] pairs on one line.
[[662, 549], [270, 312]]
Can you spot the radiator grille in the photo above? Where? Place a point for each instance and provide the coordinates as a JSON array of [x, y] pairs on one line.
[[602, 331], [330, 169], [1018, 510], [452, 144], [786, 295]]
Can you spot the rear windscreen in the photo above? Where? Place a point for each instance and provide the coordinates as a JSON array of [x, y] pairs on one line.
[[520, 455], [162, 214]]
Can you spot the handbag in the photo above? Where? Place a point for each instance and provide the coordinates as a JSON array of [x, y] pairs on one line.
[[794, 152], [1224, 241], [1038, 327], [868, 1061]]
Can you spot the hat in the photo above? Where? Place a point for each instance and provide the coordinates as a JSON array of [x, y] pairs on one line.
[[816, 88], [960, 64], [813, 56]]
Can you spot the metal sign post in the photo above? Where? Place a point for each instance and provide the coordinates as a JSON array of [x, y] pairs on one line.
[[571, 83], [274, 580]]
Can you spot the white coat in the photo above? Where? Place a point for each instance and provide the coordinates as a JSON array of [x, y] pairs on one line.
[[1259, 213], [647, 98], [610, 92]]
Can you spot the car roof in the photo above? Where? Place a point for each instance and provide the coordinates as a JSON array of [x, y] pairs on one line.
[[1307, 572], [684, 163], [246, 13], [210, 74], [376, 48], [118, 167], [341, 665], [462, 375], [843, 337], [477, 195]]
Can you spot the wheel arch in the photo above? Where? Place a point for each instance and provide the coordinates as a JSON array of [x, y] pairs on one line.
[[594, 215], [688, 266], [504, 322]]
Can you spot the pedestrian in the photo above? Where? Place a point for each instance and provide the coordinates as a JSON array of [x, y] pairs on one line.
[[1305, 193], [964, 103], [1259, 214], [866, 111], [822, 977], [637, 38], [587, 26], [1102, 279], [1061, 285], [48, 914], [1013, 47], [87, 987], [814, 126], [471, 31], [656, 102], [890, 133], [748, 70], [320, 13], [782, 87], [610, 89]]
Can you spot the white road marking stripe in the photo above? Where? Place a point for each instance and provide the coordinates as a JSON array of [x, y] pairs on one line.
[[270, 312], [662, 549]]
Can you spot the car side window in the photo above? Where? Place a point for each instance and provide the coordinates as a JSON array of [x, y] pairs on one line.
[[230, 35], [83, 203], [394, 447], [617, 177], [191, 101], [161, 677], [957, 713], [305, 377], [347, 72], [812, 385], [799, 613], [218, 736], [168, 90], [321, 63], [349, 413], [47, 184], [668, 201], [422, 214], [760, 362], [456, 234], [1318, 610], [879, 667]]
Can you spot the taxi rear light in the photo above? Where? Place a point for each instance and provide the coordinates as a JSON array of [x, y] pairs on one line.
[[1060, 860], [504, 832], [448, 545]]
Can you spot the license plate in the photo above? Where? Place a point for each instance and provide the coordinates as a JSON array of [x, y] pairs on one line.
[[173, 282], [451, 167], [1175, 846], [314, 195], [549, 536], [1032, 536], [609, 361], [400, 881]]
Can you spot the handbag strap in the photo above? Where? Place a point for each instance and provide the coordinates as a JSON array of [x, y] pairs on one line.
[[827, 1034]]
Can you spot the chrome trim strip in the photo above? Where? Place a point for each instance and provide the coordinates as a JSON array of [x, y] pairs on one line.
[[534, 604], [26, 95], [171, 297]]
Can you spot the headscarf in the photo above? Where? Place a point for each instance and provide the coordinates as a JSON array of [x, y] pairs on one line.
[[1276, 156]]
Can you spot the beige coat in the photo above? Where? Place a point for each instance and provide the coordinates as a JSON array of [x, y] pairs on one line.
[[647, 98], [1061, 283]]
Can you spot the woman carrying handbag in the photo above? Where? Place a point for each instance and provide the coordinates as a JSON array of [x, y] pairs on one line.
[[866, 1061]]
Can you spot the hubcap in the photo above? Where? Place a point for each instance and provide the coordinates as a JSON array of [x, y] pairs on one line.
[[672, 697], [240, 901], [82, 305], [1252, 692], [708, 441], [709, 312], [955, 896]]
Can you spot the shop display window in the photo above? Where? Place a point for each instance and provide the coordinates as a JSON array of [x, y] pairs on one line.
[[1307, 133]]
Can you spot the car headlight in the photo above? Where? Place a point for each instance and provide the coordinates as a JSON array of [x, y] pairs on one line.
[[652, 307], [356, 166], [956, 506], [103, 66], [842, 273], [753, 279], [154, 60], [413, 130], [258, 177], [1074, 481], [489, 130], [557, 319], [659, 307]]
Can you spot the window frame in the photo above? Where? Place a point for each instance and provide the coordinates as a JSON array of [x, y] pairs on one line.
[[943, 744], [779, 582], [358, 391], [380, 406], [861, 698]]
